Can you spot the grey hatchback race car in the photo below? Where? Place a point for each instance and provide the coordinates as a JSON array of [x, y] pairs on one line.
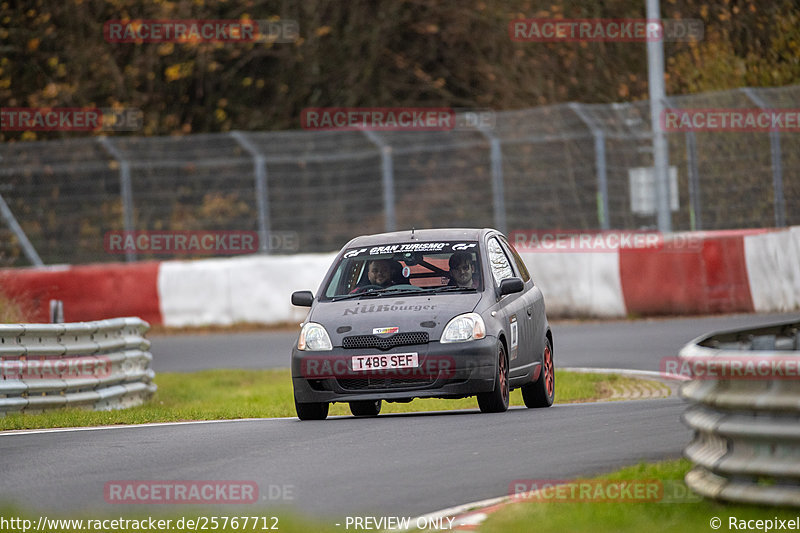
[[439, 313]]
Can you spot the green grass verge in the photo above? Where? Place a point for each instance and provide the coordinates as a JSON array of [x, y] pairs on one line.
[[613, 517], [229, 394], [690, 514]]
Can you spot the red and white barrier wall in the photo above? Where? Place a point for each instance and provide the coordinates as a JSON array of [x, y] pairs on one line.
[[718, 272], [89, 292], [725, 272], [243, 289]]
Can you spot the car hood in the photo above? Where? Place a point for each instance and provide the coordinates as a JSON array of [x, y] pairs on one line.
[[409, 313]]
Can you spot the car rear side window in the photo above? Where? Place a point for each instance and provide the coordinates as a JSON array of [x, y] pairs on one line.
[[521, 268], [498, 262]]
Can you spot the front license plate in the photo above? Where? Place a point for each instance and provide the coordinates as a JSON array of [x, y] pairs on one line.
[[380, 362]]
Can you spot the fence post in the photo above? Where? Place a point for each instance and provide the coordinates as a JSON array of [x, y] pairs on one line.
[[27, 247], [126, 191], [657, 93], [603, 213], [693, 174], [498, 189], [777, 164], [387, 177], [695, 215], [262, 194]]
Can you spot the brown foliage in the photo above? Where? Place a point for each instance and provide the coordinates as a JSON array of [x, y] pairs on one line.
[[368, 53]]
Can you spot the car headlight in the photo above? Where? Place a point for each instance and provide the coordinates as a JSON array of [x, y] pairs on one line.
[[314, 338], [465, 327]]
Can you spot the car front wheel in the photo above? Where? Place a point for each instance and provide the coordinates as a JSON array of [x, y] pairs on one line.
[[366, 408], [311, 411], [496, 401]]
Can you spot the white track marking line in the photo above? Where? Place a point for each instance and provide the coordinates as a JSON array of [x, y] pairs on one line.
[[625, 372], [130, 426]]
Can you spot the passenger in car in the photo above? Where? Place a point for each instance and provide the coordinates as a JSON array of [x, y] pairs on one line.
[[462, 270], [380, 273]]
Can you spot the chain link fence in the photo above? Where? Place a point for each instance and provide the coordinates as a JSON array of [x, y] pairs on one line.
[[567, 166]]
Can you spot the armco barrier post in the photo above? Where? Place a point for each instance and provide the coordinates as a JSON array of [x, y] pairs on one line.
[[745, 413], [56, 312]]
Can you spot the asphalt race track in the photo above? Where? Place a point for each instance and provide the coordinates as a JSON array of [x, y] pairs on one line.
[[393, 465], [398, 465]]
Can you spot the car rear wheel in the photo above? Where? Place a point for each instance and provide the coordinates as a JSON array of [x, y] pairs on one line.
[[542, 392], [366, 408], [311, 411], [497, 400]]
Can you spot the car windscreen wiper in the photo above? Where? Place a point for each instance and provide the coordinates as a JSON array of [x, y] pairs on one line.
[[451, 288], [374, 293], [434, 290]]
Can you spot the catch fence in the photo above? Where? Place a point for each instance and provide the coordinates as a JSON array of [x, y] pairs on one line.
[[566, 166]]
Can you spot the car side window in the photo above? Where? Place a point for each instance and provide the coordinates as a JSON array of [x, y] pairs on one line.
[[498, 262], [521, 268]]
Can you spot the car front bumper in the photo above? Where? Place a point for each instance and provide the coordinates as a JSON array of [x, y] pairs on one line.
[[445, 370]]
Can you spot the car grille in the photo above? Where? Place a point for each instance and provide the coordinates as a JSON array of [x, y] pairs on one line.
[[384, 383], [385, 343]]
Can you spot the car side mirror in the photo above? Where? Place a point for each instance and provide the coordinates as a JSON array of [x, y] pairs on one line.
[[511, 286], [302, 298]]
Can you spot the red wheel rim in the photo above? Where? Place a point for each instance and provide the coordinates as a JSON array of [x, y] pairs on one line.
[[503, 377], [549, 371]]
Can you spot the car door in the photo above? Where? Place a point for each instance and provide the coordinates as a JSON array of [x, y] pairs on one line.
[[534, 322], [510, 308]]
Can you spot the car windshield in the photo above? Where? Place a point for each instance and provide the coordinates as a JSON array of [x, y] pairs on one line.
[[410, 267]]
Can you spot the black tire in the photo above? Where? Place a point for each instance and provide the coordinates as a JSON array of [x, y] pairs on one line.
[[542, 392], [496, 401], [311, 411], [366, 407]]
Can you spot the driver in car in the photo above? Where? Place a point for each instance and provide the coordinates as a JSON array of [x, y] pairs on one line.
[[462, 270], [380, 272]]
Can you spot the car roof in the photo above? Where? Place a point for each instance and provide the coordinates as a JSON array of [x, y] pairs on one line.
[[438, 234]]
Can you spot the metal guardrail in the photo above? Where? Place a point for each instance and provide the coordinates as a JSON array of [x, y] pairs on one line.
[[745, 413], [101, 365]]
